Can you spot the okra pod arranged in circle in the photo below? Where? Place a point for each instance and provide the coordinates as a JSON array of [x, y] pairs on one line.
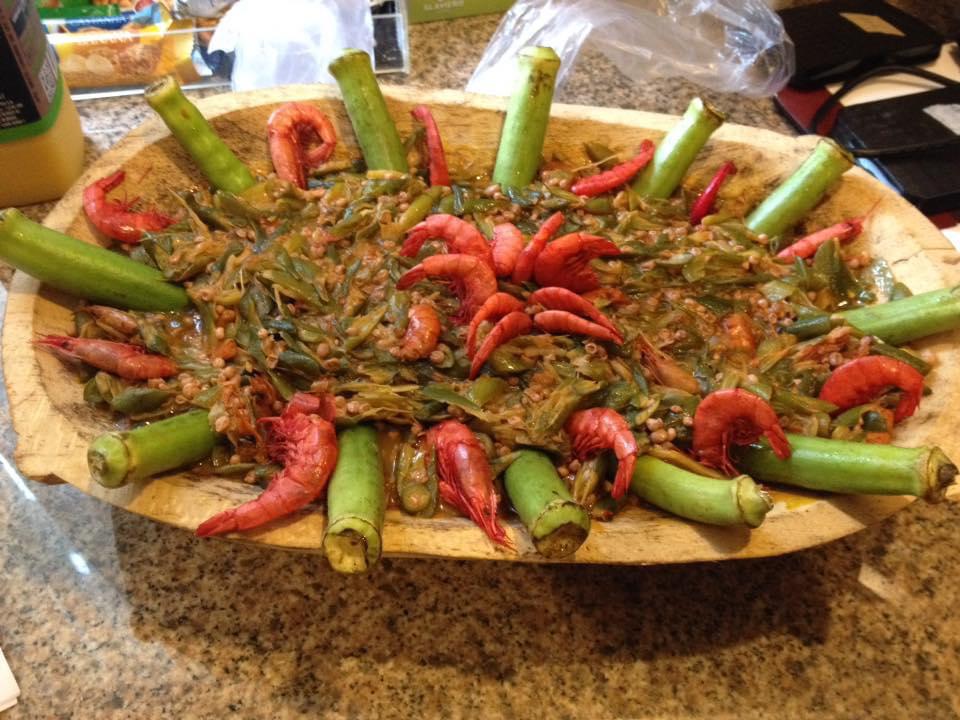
[[84, 270], [525, 125], [798, 194], [356, 502], [853, 468], [118, 458], [375, 130], [223, 169], [557, 524], [714, 501], [677, 150]]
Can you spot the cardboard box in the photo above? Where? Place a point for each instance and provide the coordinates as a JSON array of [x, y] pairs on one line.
[[420, 11]]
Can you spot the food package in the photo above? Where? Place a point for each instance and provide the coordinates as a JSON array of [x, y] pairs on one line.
[[124, 47]]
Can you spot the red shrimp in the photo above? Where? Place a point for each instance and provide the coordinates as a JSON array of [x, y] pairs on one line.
[[459, 236], [861, 380], [605, 429], [523, 270], [301, 138], [131, 362], [704, 202], [423, 332], [561, 322], [466, 479], [472, 279], [734, 417], [305, 441], [565, 262], [507, 328], [439, 174], [807, 246], [496, 306], [507, 244], [615, 176], [114, 218], [558, 298]]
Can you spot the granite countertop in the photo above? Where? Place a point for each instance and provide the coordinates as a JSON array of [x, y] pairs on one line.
[[106, 614]]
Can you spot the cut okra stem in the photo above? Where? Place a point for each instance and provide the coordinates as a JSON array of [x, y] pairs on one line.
[[525, 126], [739, 501], [222, 168], [355, 503], [853, 468], [84, 270], [556, 523], [798, 194], [118, 458], [909, 318], [375, 130], [676, 152]]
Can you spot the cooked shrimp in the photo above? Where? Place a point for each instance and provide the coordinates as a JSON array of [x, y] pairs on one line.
[[558, 298], [423, 332], [861, 380], [131, 362], [665, 369], [301, 138], [523, 269], [561, 322], [508, 327], [459, 236], [605, 429], [114, 218], [466, 480], [734, 417], [472, 279], [565, 262], [496, 306], [507, 244], [305, 441]]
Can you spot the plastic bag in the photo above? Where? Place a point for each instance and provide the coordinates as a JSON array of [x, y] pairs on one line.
[[726, 45], [293, 41]]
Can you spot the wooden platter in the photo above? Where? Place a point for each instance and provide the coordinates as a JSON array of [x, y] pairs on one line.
[[54, 425]]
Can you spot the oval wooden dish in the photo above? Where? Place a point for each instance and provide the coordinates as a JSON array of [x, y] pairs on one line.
[[54, 425]]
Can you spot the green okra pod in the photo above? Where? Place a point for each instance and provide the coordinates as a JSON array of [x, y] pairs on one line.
[[739, 501], [909, 318], [375, 130], [797, 195], [676, 152], [853, 468], [84, 270], [525, 126], [119, 458], [216, 161], [356, 502], [556, 523]]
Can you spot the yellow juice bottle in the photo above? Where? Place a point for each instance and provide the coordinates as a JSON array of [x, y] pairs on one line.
[[41, 143]]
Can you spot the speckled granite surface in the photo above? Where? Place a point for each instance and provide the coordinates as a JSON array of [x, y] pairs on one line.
[[107, 615]]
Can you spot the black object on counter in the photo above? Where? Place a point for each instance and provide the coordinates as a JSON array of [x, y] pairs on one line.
[[837, 40], [928, 178]]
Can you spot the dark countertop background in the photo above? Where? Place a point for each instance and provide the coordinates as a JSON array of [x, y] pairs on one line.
[[106, 614]]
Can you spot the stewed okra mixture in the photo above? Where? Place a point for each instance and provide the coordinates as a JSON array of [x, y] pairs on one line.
[[563, 341]]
